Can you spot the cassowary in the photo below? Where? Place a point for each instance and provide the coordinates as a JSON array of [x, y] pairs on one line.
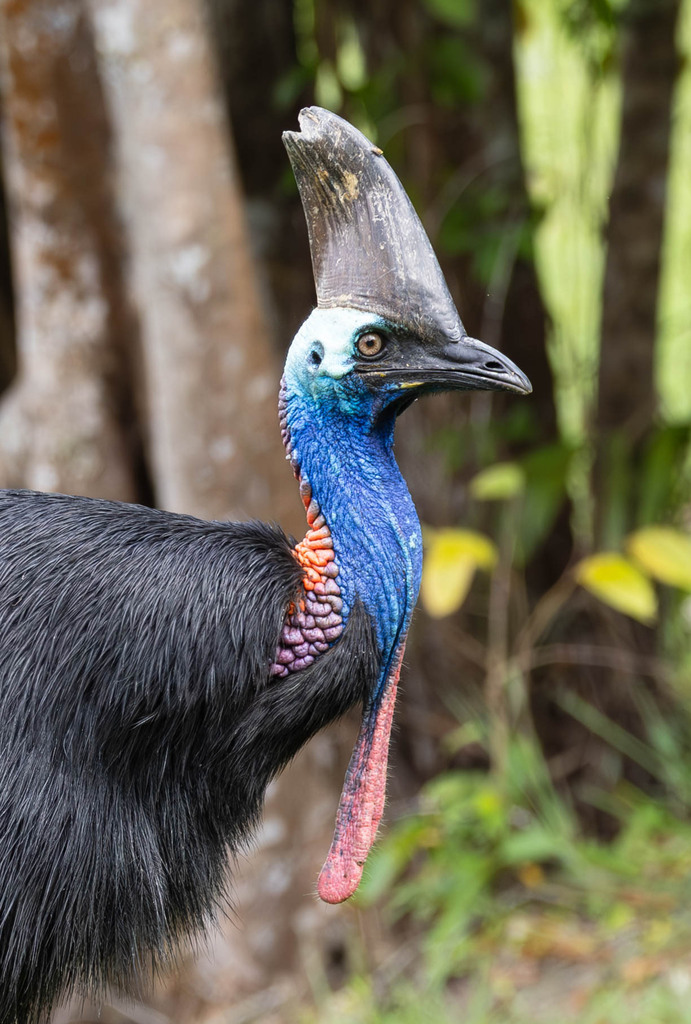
[[157, 671]]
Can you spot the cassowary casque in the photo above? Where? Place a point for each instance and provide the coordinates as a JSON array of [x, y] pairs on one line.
[[157, 671]]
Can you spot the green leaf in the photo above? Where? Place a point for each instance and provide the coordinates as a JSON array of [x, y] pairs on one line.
[[390, 857], [665, 553], [350, 60], [498, 483], [457, 13], [456, 73], [535, 844], [614, 580], [327, 88], [546, 470], [450, 563]]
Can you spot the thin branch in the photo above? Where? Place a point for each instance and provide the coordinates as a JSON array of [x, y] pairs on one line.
[[594, 656]]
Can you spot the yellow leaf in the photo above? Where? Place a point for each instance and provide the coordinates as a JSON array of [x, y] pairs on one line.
[[614, 580], [531, 875], [450, 563], [663, 552], [497, 483]]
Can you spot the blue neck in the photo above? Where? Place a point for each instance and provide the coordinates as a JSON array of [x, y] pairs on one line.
[[349, 462]]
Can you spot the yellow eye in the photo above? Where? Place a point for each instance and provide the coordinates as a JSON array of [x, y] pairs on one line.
[[370, 345]]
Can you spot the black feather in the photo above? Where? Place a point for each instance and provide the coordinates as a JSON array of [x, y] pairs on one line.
[[139, 729]]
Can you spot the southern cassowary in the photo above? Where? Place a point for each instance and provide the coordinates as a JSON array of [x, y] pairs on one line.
[[156, 671]]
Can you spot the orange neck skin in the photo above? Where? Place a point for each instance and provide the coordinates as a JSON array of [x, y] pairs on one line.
[[315, 622]]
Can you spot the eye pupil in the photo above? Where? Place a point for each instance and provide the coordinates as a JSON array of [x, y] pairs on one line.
[[370, 344]]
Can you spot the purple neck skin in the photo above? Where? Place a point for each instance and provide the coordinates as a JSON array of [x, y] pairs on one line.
[[315, 621]]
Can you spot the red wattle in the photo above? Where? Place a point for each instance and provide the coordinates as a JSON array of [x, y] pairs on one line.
[[362, 800]]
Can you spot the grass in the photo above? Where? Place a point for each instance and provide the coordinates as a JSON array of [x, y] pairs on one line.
[[502, 913]]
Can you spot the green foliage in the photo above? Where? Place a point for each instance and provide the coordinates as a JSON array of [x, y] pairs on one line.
[[674, 322], [665, 475], [651, 492], [591, 23], [488, 870], [493, 879], [473, 837], [537, 488], [351, 61], [455, 13], [498, 483], [457, 74], [546, 470], [568, 103], [658, 552]]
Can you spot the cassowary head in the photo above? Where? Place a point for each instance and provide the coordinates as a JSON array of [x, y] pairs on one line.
[[385, 329]]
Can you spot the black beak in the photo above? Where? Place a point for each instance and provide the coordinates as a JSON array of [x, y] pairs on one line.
[[464, 365]]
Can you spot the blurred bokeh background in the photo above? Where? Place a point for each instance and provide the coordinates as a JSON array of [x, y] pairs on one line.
[[535, 865]]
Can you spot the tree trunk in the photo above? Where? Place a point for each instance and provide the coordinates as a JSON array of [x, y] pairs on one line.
[[7, 336], [210, 372], [244, 37], [63, 424]]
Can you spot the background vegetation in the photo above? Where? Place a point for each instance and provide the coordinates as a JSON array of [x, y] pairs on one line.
[[536, 865]]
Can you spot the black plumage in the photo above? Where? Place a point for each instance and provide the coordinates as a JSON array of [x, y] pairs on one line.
[[127, 767]]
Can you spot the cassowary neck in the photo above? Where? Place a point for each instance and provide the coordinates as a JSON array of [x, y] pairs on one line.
[[349, 476]]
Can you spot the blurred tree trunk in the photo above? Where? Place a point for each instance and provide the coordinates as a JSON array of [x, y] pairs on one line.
[[245, 37], [7, 339], [626, 388], [63, 424], [210, 372]]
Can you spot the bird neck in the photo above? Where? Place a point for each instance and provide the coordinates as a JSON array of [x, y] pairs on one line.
[[364, 537]]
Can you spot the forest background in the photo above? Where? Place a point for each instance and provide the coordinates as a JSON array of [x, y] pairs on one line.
[[536, 860]]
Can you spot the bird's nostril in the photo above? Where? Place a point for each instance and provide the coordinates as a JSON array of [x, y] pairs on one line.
[[492, 364]]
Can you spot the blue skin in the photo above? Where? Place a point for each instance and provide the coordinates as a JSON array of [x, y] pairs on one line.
[[342, 437]]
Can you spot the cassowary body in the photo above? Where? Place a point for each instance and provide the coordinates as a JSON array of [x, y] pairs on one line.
[[157, 671], [139, 728]]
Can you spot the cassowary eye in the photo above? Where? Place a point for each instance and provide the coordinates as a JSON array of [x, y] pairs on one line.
[[370, 345]]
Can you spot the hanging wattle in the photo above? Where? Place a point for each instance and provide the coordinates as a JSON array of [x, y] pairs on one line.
[[364, 794]]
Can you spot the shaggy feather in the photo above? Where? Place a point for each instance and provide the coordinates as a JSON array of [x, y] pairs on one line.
[[139, 728]]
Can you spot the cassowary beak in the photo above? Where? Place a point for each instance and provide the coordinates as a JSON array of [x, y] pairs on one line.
[[463, 365]]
